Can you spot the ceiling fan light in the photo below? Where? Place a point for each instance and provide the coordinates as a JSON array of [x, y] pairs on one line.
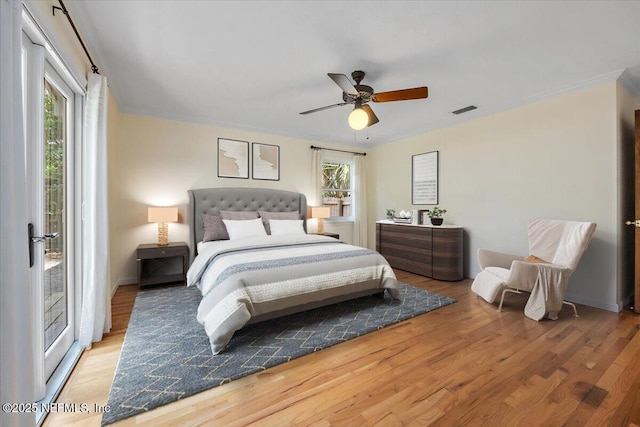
[[358, 119]]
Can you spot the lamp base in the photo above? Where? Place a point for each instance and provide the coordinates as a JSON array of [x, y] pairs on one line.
[[163, 234]]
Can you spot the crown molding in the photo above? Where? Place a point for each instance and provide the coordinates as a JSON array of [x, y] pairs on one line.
[[629, 83], [583, 84]]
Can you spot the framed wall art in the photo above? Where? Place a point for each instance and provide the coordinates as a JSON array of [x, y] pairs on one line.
[[265, 162], [424, 178], [233, 158]]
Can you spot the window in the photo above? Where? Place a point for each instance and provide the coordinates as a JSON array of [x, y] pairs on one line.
[[337, 187]]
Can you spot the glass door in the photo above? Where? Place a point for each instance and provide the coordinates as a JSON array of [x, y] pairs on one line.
[[58, 319], [52, 109], [50, 128]]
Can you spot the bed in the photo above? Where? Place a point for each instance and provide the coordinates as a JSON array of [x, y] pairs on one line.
[[255, 276]]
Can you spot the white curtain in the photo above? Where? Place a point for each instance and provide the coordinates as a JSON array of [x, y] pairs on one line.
[[360, 203], [315, 198], [96, 285], [16, 333]]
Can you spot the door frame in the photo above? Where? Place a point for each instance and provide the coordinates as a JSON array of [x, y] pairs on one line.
[[34, 40], [33, 97], [637, 213]]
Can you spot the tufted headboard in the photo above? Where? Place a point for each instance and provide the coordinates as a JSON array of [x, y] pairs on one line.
[[213, 200]]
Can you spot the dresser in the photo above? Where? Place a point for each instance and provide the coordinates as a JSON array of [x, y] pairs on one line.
[[427, 250]]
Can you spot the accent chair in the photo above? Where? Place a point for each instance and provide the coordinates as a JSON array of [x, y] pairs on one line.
[[555, 248]]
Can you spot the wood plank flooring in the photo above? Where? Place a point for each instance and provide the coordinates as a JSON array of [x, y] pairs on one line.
[[464, 364]]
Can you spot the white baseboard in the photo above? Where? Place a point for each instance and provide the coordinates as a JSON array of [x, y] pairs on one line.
[[616, 308], [122, 282], [127, 281]]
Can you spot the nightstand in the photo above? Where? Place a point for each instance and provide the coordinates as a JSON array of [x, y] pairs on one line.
[[162, 264], [334, 235]]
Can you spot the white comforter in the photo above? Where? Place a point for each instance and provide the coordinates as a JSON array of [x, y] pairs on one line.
[[243, 278]]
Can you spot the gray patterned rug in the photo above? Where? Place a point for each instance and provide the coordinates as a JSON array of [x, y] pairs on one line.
[[166, 354]]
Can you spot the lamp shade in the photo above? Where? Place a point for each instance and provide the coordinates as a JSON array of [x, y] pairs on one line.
[[163, 214], [320, 212]]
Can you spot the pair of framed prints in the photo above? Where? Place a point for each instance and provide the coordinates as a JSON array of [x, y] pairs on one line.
[[233, 160]]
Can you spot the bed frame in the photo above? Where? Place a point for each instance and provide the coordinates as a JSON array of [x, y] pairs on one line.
[[213, 200]]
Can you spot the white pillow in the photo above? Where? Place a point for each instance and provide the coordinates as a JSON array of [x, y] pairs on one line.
[[286, 226], [244, 228]]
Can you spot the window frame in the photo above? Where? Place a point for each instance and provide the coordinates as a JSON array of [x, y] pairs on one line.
[[342, 159]]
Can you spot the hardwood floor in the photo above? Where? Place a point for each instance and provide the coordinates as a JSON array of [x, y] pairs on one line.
[[464, 364]]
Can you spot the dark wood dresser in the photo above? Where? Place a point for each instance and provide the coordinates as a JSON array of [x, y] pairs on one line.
[[427, 250]]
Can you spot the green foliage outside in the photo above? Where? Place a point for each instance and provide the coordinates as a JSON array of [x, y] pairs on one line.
[[53, 168], [336, 180]]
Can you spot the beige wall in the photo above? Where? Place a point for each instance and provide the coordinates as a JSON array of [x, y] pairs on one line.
[[154, 162], [555, 158]]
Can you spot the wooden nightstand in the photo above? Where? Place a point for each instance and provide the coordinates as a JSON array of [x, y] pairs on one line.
[[161, 264]]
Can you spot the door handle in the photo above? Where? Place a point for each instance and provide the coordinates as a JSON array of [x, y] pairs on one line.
[[45, 237], [34, 239], [635, 223]]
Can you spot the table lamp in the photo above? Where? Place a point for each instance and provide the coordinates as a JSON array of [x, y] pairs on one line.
[[163, 215], [321, 213]]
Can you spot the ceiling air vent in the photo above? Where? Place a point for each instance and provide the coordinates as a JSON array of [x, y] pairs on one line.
[[465, 109]]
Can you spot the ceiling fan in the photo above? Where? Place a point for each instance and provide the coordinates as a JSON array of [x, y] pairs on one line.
[[362, 115]]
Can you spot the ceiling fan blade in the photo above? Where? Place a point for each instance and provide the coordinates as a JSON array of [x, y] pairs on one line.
[[324, 108], [401, 95], [344, 83], [373, 119]]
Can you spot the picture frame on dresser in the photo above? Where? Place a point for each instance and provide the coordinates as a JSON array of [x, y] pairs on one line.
[[233, 158], [424, 178]]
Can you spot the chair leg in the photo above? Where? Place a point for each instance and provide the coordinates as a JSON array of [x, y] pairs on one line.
[[515, 291], [575, 310]]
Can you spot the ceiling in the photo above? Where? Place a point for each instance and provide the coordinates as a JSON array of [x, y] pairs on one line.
[[256, 65]]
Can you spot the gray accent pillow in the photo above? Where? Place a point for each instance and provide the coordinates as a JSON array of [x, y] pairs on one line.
[[214, 228], [266, 216], [237, 215]]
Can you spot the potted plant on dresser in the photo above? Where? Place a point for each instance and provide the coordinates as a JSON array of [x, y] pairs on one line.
[[436, 215]]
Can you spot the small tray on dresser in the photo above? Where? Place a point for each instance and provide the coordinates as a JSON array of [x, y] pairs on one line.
[[402, 220]]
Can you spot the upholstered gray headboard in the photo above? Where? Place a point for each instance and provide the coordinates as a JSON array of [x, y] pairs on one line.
[[212, 200]]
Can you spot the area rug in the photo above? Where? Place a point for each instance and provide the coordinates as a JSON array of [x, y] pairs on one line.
[[166, 354]]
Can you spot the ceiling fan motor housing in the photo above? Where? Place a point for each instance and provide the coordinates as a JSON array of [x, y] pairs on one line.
[[365, 93]]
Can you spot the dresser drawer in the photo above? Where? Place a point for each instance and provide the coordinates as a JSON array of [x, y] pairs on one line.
[[147, 251]]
